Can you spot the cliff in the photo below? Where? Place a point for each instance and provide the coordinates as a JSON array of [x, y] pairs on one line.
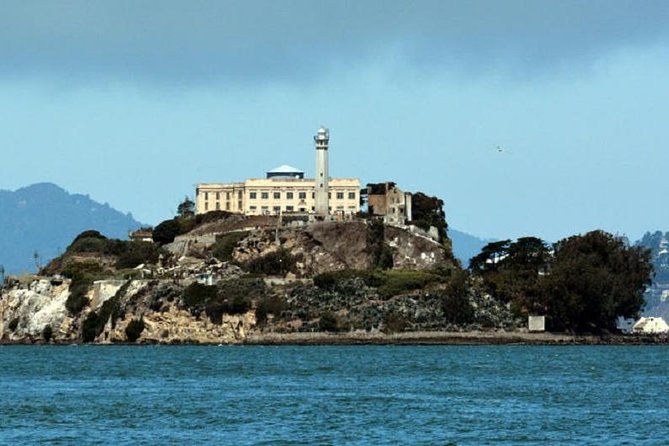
[[225, 281]]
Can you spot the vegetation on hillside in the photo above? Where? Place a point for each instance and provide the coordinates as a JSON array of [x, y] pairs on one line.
[[585, 284]]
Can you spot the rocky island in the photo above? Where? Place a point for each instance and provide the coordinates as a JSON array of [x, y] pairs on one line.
[[236, 279], [220, 278]]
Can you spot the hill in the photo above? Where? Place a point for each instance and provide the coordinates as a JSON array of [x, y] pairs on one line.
[[466, 246], [44, 218], [657, 296]]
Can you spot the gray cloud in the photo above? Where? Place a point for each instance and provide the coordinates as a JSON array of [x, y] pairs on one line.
[[194, 41]]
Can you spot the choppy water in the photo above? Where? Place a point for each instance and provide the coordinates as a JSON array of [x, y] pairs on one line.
[[467, 395]]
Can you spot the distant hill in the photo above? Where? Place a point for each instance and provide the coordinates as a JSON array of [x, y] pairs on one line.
[[657, 296], [44, 218], [466, 246]]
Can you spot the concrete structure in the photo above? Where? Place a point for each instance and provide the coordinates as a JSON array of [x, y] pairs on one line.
[[387, 200], [141, 235], [285, 190], [536, 323], [322, 140], [650, 325]]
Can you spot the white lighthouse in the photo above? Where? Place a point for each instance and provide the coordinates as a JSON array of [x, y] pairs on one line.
[[322, 204]]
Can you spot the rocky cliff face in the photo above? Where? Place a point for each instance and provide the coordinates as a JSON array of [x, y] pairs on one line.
[[326, 246], [26, 309], [191, 296]]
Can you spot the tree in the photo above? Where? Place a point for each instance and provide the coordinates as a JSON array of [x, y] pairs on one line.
[[490, 255], [186, 208], [512, 271], [166, 231], [428, 211], [594, 279]]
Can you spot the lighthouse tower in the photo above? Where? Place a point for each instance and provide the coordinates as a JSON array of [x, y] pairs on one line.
[[322, 204]]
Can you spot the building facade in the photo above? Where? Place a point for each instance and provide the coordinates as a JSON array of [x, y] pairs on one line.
[[388, 201], [285, 191], [277, 195]]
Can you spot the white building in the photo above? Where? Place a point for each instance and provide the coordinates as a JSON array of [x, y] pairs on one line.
[[650, 325]]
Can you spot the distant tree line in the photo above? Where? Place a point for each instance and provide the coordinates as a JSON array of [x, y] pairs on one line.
[[583, 283]]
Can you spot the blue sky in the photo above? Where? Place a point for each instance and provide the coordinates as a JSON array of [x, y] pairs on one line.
[[135, 102]]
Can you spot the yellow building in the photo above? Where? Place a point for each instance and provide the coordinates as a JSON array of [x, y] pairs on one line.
[[284, 191]]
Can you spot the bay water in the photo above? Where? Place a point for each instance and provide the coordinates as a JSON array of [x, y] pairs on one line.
[[419, 395]]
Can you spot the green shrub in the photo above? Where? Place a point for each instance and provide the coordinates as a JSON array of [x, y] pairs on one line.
[[458, 309], [403, 281], [196, 296], [211, 216], [394, 323], [87, 234], [136, 252], [225, 245], [89, 327], [278, 262], [88, 244], [166, 231], [381, 253], [47, 333], [234, 296], [269, 305], [134, 329], [13, 324], [237, 305], [335, 280], [328, 322], [77, 299], [79, 271]]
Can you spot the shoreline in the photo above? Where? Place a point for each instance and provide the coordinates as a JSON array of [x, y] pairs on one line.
[[450, 338], [404, 338]]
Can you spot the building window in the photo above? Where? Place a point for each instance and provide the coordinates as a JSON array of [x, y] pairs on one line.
[[252, 208], [302, 195], [289, 195], [340, 195], [252, 195], [206, 205], [313, 195], [239, 205], [340, 208], [351, 195], [264, 209], [218, 206], [240, 195], [276, 195], [218, 195], [276, 209], [227, 205], [313, 208], [329, 195], [289, 209], [206, 195], [227, 195], [303, 209], [264, 195]]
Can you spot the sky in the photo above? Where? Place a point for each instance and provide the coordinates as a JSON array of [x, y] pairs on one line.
[[537, 118]]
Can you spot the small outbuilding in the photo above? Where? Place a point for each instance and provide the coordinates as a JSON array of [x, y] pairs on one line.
[[536, 323], [650, 325]]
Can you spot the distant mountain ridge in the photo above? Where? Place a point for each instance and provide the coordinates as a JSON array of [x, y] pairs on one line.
[[466, 246], [657, 295], [43, 218]]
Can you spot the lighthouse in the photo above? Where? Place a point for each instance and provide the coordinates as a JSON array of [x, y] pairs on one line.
[[321, 185]]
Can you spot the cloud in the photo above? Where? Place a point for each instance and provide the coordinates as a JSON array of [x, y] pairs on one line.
[[201, 40]]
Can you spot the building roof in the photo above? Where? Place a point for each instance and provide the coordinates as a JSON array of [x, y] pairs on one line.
[[285, 169]]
